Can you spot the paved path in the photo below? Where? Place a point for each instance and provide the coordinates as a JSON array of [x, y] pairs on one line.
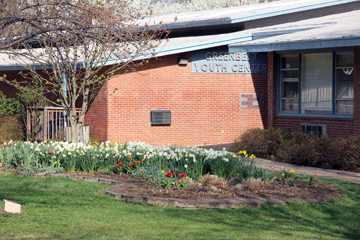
[[322, 173]]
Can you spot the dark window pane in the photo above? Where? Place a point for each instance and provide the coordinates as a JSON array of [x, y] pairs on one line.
[[290, 90], [290, 74], [290, 62], [345, 59]]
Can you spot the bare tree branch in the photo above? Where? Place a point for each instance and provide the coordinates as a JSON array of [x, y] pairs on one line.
[[73, 42]]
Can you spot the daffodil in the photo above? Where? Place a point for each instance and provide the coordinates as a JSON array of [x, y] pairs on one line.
[[292, 172], [283, 174], [149, 176], [162, 171]]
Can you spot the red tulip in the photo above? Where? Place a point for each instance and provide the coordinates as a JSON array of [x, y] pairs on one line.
[[130, 165], [182, 175], [119, 164], [51, 151], [168, 174], [315, 180]]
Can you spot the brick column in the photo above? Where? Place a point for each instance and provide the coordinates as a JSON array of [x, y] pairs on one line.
[[357, 90], [271, 89]]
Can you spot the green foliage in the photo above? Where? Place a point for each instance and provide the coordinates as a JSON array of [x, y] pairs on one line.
[[28, 98], [312, 179], [248, 169], [302, 149], [139, 159], [8, 106]]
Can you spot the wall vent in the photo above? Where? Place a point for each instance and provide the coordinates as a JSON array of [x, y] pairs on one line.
[[316, 129], [160, 118]]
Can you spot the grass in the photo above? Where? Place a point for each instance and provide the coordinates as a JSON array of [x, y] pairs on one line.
[[62, 208]]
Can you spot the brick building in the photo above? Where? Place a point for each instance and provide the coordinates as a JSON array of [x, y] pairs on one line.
[[290, 64]]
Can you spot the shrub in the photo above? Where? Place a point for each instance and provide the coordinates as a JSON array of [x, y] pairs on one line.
[[303, 149], [11, 128], [8, 106], [261, 143]]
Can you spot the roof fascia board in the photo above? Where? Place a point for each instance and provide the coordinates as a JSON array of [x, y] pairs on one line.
[[296, 45], [165, 51], [196, 46], [290, 10]]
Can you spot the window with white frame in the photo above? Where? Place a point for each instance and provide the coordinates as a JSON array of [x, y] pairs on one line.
[[315, 84]]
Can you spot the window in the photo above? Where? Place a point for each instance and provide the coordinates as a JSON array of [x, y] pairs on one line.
[[289, 83], [313, 84], [345, 83]]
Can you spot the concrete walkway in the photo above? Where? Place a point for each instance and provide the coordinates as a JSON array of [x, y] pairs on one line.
[[321, 172]]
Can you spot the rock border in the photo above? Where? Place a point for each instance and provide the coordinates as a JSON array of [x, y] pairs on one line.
[[116, 193]]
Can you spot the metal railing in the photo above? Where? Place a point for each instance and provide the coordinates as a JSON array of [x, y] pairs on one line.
[[47, 123]]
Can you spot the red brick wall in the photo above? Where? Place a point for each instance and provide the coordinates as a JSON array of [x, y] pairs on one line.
[[11, 92], [337, 127], [272, 87], [205, 108]]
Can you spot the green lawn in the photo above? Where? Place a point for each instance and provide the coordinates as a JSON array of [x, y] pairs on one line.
[[62, 208]]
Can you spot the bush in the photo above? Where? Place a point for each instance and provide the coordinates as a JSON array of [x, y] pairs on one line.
[[262, 143], [11, 128], [302, 149], [8, 106]]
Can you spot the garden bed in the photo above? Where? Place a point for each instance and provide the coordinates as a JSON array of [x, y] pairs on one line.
[[186, 173], [205, 190]]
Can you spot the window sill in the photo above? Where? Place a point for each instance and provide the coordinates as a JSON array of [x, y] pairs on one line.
[[315, 115]]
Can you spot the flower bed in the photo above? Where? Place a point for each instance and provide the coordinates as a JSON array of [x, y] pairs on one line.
[[135, 158], [188, 172]]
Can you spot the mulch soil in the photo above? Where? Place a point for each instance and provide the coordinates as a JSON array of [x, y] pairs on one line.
[[207, 191]]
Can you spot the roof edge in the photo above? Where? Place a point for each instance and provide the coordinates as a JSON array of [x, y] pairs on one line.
[[296, 45]]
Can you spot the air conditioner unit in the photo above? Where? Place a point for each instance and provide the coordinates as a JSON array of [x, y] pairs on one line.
[[160, 118], [316, 129]]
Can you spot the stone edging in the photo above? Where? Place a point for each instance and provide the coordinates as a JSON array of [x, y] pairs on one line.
[[116, 193]]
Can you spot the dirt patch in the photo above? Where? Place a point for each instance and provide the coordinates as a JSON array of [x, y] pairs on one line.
[[212, 190]]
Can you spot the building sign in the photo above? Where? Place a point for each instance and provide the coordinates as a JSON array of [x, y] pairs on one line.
[[205, 61]]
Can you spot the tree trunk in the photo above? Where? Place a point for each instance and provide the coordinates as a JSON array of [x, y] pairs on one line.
[[75, 126]]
